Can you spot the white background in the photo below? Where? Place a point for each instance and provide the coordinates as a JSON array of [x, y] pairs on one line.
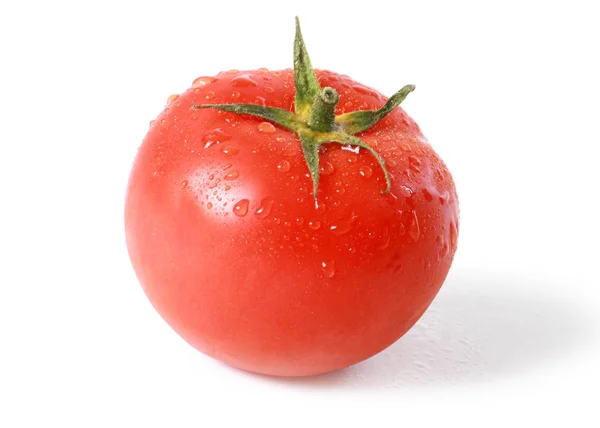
[[507, 93]]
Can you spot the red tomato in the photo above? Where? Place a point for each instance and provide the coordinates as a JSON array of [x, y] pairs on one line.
[[227, 241]]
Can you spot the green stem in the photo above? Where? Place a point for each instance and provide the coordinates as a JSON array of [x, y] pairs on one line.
[[314, 119], [322, 113]]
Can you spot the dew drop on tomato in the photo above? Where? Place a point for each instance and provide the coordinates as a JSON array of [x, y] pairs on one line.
[[184, 184], [314, 225], [443, 198], [414, 160], [230, 151], [414, 231], [266, 205], [328, 269], [283, 166], [321, 208], [215, 136], [385, 240], [209, 95], [453, 234], [232, 175], [344, 225], [266, 127], [241, 208], [243, 81], [401, 227], [445, 249], [428, 195], [365, 171], [172, 98], [203, 81], [326, 168]]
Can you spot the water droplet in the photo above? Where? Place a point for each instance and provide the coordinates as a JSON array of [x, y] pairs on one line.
[[408, 194], [326, 168], [321, 208], [283, 166], [241, 208], [328, 269], [414, 168], [299, 221], [428, 195], [235, 94], [340, 191], [314, 225], [445, 250], [385, 240], [266, 205], [203, 81], [227, 187], [215, 136], [365, 171], [243, 81], [209, 95], [414, 160], [453, 234], [230, 151], [391, 162], [406, 147], [343, 226], [414, 230], [266, 127], [209, 205], [269, 90], [401, 229], [172, 98], [184, 184], [260, 101], [232, 175]]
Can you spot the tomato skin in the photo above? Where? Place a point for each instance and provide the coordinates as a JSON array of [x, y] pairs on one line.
[[225, 238]]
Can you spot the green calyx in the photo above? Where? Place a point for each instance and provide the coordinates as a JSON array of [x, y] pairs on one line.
[[314, 119]]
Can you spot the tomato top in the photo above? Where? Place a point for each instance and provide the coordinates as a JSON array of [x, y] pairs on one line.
[[240, 168]]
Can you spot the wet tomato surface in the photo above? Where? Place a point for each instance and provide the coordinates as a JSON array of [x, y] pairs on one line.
[[233, 251]]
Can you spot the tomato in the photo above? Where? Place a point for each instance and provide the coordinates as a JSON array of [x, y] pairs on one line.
[[243, 260]]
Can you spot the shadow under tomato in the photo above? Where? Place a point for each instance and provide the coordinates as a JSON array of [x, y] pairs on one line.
[[476, 329]]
